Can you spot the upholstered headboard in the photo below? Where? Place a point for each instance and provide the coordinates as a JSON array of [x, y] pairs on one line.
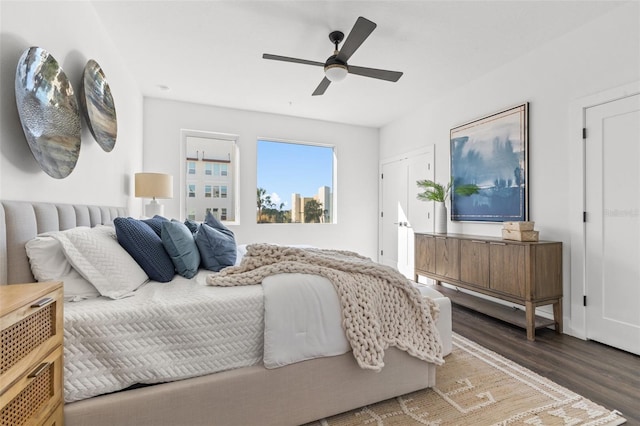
[[21, 221]]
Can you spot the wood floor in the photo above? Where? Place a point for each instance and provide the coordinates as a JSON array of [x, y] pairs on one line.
[[605, 375]]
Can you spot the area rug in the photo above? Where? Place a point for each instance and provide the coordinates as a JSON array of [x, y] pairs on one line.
[[479, 387]]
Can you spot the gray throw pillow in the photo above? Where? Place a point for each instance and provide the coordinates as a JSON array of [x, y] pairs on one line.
[[181, 246], [216, 244]]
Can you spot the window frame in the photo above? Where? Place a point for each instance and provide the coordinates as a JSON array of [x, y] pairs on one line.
[[334, 177]]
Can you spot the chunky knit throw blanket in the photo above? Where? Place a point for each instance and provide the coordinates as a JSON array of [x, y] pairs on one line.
[[380, 307]]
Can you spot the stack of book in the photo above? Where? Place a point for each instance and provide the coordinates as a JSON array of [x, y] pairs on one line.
[[519, 231]]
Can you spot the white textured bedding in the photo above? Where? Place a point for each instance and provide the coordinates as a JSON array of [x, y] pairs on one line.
[[166, 332], [181, 329]]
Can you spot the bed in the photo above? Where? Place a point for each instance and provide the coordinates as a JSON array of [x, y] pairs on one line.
[[292, 394]]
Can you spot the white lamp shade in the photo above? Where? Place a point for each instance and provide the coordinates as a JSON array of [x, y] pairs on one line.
[[154, 185], [336, 72]]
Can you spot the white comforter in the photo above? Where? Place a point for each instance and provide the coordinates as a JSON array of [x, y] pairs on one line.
[[303, 319], [184, 328], [167, 331]]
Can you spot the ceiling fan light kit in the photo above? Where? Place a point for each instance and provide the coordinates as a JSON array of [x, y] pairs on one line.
[[336, 72], [336, 67]]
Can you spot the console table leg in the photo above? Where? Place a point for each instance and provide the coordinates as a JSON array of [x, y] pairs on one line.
[[530, 310], [557, 315]]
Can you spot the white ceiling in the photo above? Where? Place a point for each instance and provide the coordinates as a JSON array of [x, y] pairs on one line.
[[210, 52]]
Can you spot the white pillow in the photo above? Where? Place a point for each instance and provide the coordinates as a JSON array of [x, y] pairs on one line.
[[48, 263], [96, 254]]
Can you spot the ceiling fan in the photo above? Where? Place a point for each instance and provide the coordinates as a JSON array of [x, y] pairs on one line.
[[336, 67]]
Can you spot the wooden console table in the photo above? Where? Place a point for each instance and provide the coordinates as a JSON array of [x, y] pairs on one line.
[[525, 273]]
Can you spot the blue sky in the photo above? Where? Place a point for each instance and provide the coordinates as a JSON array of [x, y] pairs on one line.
[[285, 168]]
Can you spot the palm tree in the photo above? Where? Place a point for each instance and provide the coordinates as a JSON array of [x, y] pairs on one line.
[[261, 200], [312, 211]]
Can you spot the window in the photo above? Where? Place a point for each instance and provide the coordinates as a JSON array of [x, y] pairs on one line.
[[220, 169], [191, 215], [210, 174], [223, 214], [295, 182]]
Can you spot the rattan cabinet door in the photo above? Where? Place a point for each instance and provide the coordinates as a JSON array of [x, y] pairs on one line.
[[32, 355]]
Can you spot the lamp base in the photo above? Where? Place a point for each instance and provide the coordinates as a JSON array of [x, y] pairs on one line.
[[153, 208]]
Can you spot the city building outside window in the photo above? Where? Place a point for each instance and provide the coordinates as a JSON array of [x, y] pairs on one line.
[[211, 167]]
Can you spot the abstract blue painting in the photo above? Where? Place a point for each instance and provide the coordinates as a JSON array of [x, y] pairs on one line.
[[492, 153]]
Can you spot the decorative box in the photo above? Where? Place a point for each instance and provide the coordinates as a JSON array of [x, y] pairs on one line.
[[509, 234], [518, 226]]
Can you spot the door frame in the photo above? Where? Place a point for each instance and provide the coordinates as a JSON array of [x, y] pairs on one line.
[[404, 156], [575, 325]]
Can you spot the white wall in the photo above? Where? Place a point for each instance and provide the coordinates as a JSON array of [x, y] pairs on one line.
[[357, 169], [602, 54], [72, 33]]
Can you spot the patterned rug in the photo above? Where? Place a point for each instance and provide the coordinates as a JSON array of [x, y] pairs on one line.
[[479, 387]]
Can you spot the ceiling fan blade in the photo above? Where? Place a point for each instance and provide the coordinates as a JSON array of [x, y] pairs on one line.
[[375, 73], [294, 60], [322, 87], [359, 33]]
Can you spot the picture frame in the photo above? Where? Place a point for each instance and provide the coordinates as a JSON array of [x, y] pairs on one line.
[[492, 153]]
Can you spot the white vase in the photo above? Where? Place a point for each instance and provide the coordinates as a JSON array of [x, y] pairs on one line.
[[441, 218]]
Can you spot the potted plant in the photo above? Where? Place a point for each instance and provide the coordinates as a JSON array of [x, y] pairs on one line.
[[433, 191]]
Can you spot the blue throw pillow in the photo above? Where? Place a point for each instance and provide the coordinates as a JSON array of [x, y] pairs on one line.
[[142, 243], [192, 225], [217, 249], [181, 246], [211, 220], [156, 223]]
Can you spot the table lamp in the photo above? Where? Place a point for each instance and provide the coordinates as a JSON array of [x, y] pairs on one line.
[[153, 185]]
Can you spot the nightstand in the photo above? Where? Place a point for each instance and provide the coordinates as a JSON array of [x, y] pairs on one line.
[[31, 366]]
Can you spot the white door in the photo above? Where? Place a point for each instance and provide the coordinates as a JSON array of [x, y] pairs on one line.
[[612, 182], [393, 212], [401, 212]]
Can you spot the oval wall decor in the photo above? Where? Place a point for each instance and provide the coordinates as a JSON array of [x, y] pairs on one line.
[[48, 112], [98, 107]]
